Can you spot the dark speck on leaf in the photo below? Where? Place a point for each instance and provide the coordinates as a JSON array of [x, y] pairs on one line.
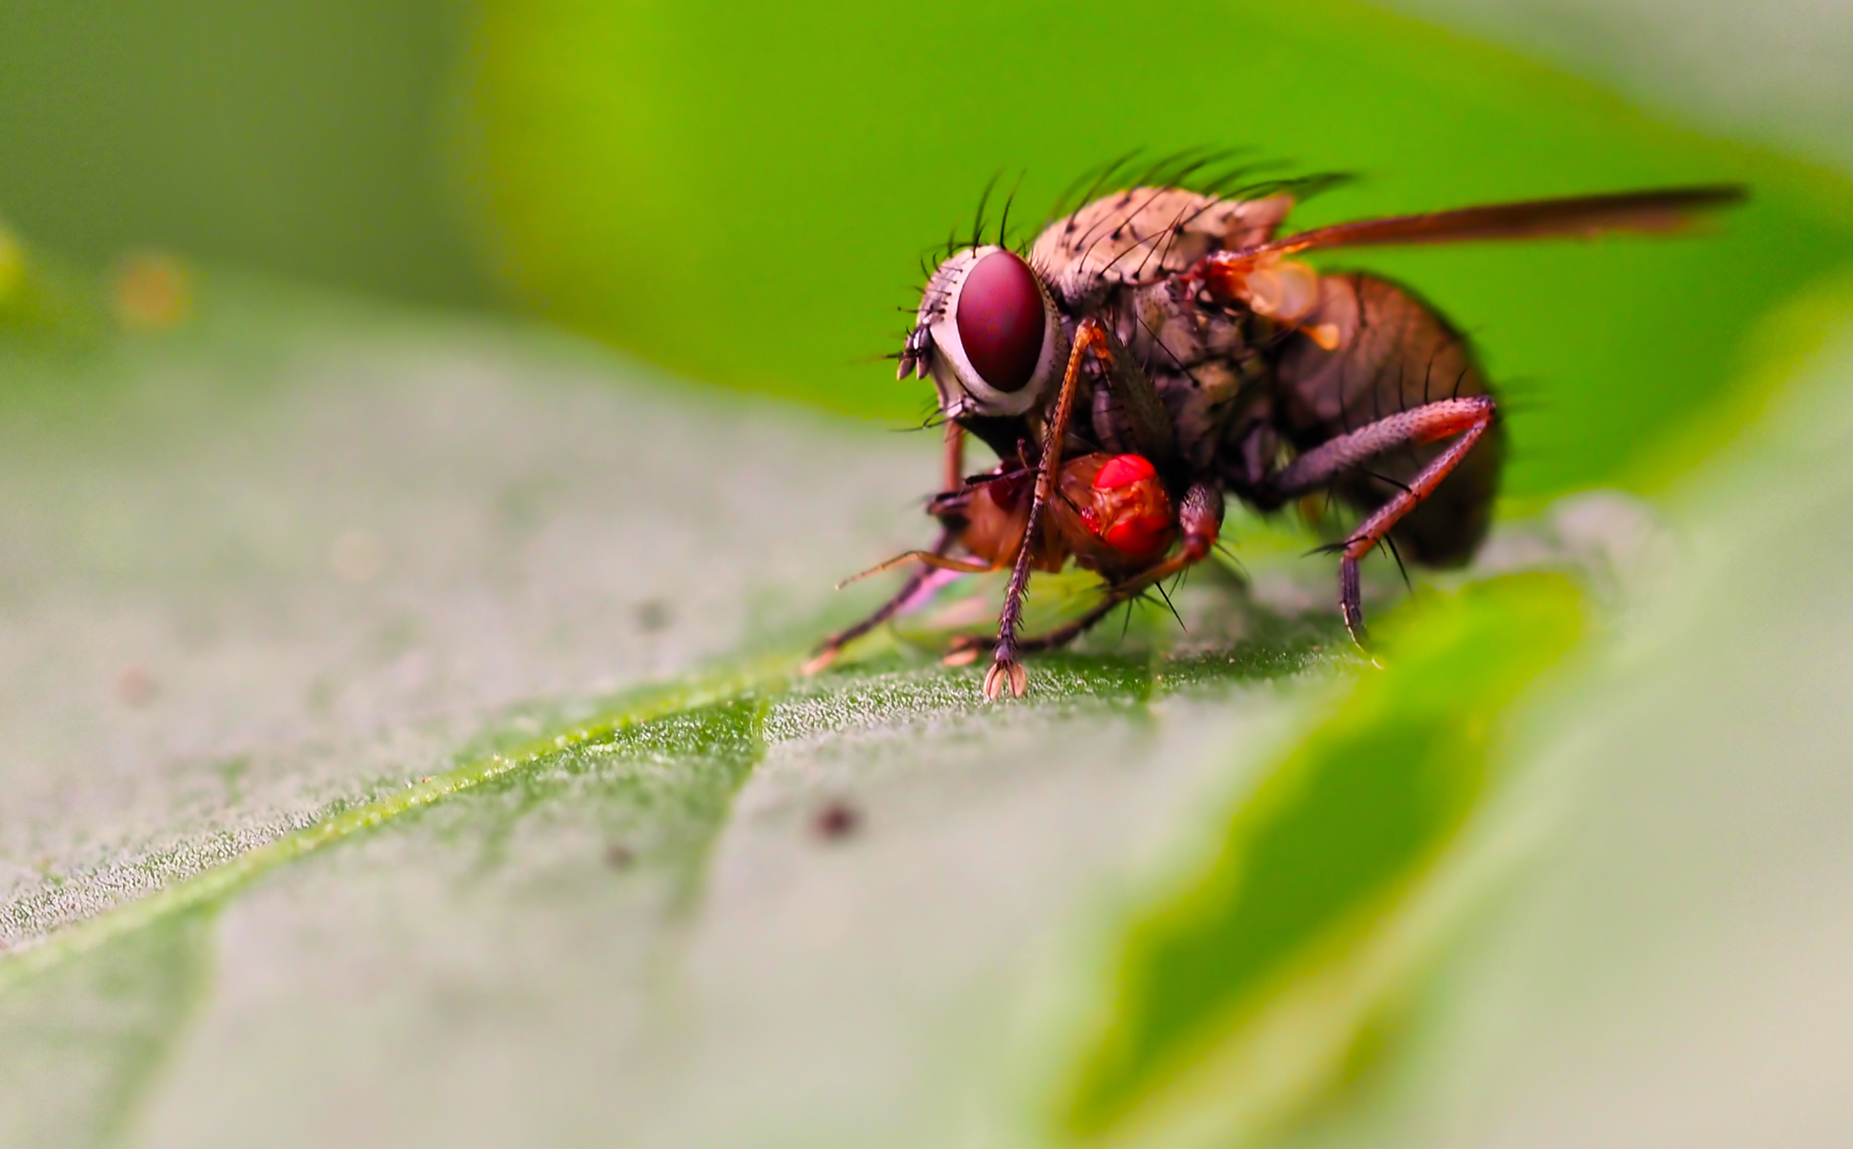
[[653, 616], [619, 857], [136, 687], [835, 821]]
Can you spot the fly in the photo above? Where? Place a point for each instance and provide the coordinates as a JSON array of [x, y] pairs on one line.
[[1170, 339]]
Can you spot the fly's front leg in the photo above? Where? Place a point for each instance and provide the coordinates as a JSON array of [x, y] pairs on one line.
[[953, 461], [1004, 666], [1467, 418], [953, 458]]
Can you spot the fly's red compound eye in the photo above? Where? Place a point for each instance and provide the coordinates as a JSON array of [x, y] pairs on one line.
[[1001, 320]]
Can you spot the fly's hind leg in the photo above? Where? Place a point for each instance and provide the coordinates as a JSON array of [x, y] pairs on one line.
[[1468, 418]]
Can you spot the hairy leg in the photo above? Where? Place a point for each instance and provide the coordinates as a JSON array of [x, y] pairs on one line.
[[1467, 418], [1005, 668]]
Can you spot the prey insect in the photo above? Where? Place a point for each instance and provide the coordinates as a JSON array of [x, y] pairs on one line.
[[1177, 328]]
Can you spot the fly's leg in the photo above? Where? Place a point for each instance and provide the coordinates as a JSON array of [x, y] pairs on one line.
[[954, 462], [968, 647], [829, 648], [1467, 418], [1199, 519], [1200, 516], [1004, 666], [928, 558], [953, 458]]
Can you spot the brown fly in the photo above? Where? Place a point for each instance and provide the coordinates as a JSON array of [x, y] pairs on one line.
[[1174, 327]]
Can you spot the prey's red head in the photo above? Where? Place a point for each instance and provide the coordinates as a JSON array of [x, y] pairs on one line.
[[1130, 511]]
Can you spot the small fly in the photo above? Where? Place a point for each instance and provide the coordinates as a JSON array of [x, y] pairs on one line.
[[1160, 349]]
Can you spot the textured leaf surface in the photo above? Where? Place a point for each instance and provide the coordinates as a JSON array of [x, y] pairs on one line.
[[291, 577]]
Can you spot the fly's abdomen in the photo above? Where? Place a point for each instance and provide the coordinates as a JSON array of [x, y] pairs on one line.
[[1390, 352]]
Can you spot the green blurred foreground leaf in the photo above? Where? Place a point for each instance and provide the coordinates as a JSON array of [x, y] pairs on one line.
[[1242, 996]]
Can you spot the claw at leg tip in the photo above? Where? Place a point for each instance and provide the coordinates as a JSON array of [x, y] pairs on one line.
[[993, 682], [819, 662], [1005, 671]]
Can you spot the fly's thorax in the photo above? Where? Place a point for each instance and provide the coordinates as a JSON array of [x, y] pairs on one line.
[[988, 333], [1145, 235], [1167, 327], [1197, 357]]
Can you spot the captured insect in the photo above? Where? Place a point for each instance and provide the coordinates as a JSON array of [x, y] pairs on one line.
[[1165, 340]]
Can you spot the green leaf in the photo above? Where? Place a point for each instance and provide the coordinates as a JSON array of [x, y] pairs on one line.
[[1243, 994]]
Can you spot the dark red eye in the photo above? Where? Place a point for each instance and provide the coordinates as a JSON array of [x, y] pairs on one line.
[[1001, 321]]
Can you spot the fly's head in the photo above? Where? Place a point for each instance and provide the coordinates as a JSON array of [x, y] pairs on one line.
[[988, 333]]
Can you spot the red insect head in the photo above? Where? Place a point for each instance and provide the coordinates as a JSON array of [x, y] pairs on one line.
[[1130, 511]]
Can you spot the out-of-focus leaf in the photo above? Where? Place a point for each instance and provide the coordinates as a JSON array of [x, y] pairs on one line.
[[39, 299], [1240, 997], [735, 192], [1771, 73]]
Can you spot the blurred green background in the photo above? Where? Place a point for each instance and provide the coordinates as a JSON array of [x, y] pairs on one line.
[[306, 139], [744, 194]]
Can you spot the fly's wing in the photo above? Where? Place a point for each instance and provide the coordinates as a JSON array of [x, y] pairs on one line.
[[1664, 210]]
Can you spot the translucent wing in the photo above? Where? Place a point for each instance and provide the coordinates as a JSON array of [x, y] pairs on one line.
[[1663, 210]]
